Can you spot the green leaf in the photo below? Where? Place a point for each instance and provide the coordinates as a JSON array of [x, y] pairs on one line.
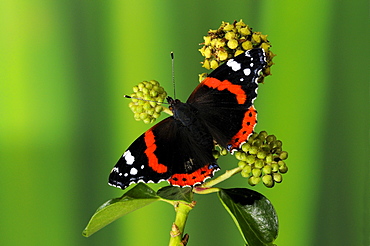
[[253, 214], [138, 197], [176, 193]]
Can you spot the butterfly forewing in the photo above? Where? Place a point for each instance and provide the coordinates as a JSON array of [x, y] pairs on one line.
[[225, 98]]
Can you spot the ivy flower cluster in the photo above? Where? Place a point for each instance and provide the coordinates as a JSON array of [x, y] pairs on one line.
[[230, 40], [146, 101], [262, 159]]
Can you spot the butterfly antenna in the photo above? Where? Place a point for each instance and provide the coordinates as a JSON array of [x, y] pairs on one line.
[[173, 74], [127, 96]]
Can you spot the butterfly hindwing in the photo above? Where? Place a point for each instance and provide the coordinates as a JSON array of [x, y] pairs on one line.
[[163, 153]]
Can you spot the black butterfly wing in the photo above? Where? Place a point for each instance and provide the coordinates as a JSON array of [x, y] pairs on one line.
[[167, 151], [225, 98]]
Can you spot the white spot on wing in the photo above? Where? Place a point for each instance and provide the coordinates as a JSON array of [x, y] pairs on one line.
[[129, 157], [235, 66], [247, 71], [133, 171]]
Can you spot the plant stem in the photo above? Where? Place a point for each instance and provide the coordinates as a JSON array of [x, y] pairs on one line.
[[182, 210], [221, 178]]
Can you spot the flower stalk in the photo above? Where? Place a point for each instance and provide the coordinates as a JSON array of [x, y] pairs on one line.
[[182, 210]]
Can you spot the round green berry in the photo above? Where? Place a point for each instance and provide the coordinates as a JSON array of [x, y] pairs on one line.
[[268, 181]]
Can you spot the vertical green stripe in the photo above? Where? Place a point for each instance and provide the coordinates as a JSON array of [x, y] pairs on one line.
[[343, 213], [290, 105], [35, 125], [139, 46]]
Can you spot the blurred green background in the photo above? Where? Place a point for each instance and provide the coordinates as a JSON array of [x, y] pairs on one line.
[[65, 65]]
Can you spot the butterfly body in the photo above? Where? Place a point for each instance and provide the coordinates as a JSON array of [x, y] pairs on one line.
[[179, 148]]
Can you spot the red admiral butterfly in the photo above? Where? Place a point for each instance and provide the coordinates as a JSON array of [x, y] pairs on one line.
[[179, 148]]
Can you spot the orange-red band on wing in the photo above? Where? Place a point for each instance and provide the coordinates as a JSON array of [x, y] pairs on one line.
[[237, 90], [190, 179], [152, 158], [249, 121]]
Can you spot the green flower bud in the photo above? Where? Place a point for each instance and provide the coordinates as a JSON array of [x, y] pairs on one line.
[[283, 155], [216, 154], [247, 170], [246, 147], [257, 143], [259, 164], [276, 150], [223, 152], [250, 159], [268, 181], [270, 138], [139, 94], [283, 169], [275, 167], [254, 180], [253, 150], [153, 93], [261, 155], [278, 143], [141, 86], [265, 147], [277, 177], [267, 169], [146, 106], [269, 158], [281, 163], [252, 137], [147, 120], [143, 116], [243, 156], [158, 108], [256, 172], [242, 164], [262, 135]]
